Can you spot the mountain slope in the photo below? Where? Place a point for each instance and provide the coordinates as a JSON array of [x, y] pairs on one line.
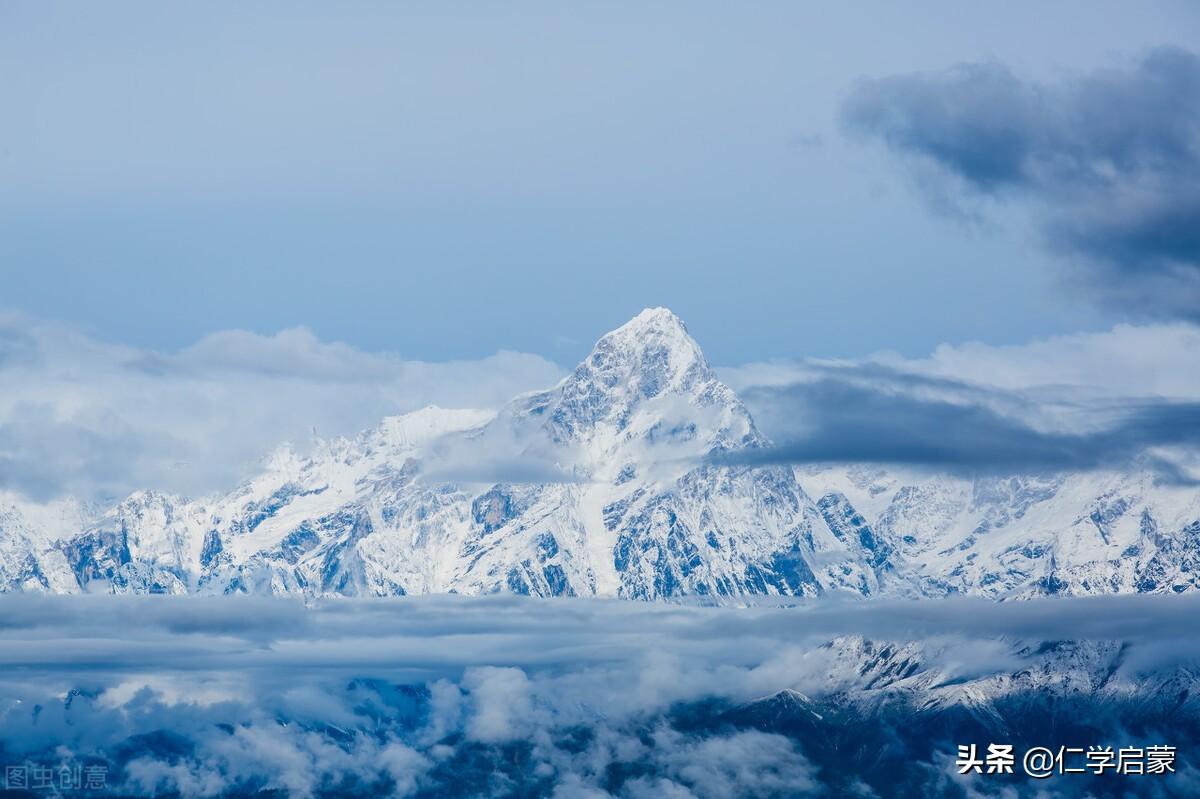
[[1025, 535], [601, 486]]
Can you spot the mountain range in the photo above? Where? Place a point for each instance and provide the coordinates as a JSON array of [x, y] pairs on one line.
[[610, 484]]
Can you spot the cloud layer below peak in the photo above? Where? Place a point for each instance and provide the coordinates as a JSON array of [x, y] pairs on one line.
[[436, 696]]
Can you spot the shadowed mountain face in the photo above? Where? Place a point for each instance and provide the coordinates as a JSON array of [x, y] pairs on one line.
[[601, 485]]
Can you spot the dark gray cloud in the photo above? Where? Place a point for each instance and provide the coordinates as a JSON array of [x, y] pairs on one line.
[[869, 413], [1110, 158]]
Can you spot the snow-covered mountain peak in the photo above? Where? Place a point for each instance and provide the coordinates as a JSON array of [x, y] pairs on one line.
[[602, 485], [647, 383], [653, 351], [656, 323]]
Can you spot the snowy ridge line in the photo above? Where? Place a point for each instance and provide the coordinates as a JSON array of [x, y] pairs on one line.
[[603, 486]]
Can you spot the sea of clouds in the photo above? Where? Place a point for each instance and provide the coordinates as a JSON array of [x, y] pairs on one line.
[[445, 695]]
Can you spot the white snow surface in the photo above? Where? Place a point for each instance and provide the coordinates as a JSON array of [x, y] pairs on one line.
[[598, 486]]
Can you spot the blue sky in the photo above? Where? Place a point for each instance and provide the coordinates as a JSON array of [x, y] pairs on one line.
[[448, 181]]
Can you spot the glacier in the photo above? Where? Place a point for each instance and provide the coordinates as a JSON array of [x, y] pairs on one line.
[[606, 485]]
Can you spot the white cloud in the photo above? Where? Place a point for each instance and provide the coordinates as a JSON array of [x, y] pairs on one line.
[[502, 702], [83, 417], [1129, 360], [747, 763], [1126, 361]]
